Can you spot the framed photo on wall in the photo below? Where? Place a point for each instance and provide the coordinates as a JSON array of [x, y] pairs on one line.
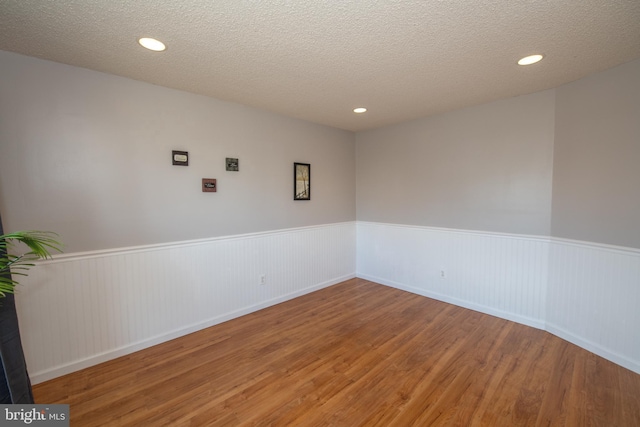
[[232, 164], [301, 181]]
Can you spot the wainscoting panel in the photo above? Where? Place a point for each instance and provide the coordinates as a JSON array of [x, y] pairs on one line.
[[586, 293], [81, 309], [498, 274], [593, 299], [78, 310]]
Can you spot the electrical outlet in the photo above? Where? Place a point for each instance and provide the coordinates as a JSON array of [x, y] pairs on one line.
[[443, 274], [263, 279]]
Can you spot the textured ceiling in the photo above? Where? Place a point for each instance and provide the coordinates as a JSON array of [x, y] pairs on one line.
[[318, 59]]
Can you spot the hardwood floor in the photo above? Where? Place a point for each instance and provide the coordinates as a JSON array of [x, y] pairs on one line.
[[355, 354]]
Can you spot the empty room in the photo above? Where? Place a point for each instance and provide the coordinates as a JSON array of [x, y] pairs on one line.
[[320, 213]]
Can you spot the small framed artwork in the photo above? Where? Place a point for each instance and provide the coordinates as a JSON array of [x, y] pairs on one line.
[[232, 164], [301, 181], [209, 185], [180, 158]]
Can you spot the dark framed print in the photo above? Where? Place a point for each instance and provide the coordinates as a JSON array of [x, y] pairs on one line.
[[209, 185], [232, 164], [301, 181], [179, 158]]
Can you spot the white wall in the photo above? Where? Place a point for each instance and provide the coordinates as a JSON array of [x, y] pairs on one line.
[[597, 153], [148, 256], [481, 168], [470, 192], [88, 155]]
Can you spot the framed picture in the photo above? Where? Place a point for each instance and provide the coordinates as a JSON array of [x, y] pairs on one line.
[[232, 164], [179, 158], [301, 181], [209, 185]]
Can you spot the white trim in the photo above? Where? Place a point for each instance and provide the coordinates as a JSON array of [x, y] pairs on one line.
[[75, 256], [460, 231], [539, 238], [593, 348], [594, 245]]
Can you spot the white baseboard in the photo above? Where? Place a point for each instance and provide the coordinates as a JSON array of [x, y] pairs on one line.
[[594, 348], [535, 323]]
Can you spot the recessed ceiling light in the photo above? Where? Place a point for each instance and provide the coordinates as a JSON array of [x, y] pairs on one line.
[[531, 59], [359, 110], [152, 44]]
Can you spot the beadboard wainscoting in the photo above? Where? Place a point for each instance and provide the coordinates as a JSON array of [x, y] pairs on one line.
[[586, 293], [81, 309], [593, 299], [498, 274]]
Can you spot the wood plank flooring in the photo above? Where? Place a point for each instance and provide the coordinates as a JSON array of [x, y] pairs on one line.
[[355, 354]]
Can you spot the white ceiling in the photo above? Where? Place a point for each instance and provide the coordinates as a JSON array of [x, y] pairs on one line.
[[318, 59]]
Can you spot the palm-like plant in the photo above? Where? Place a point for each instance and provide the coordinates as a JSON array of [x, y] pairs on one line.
[[40, 243]]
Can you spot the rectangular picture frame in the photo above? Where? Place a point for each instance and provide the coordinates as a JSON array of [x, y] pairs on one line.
[[179, 158], [232, 164], [301, 181], [209, 185]]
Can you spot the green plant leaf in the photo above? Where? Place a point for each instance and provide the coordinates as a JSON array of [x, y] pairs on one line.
[[40, 243]]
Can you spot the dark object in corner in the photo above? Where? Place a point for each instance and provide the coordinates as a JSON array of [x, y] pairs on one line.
[[15, 386]]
